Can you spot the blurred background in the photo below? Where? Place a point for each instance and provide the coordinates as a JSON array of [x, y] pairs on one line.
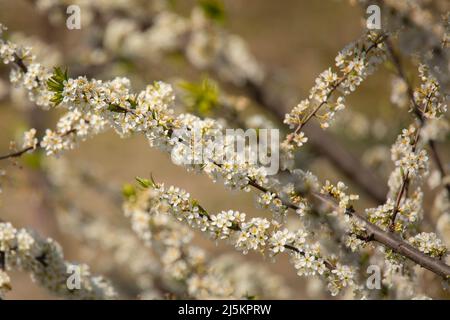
[[294, 40]]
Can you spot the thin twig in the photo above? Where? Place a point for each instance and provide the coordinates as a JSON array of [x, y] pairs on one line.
[[19, 153], [15, 154], [404, 187], [297, 130]]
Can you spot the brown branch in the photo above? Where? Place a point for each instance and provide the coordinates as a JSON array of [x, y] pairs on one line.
[[394, 242], [2, 260], [374, 233], [15, 154], [397, 202], [19, 153]]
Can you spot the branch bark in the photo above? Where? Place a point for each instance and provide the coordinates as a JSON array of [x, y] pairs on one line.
[[395, 242], [389, 239]]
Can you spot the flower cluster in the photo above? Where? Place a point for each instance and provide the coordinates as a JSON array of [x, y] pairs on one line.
[[130, 256], [44, 260], [409, 212], [411, 164], [271, 201], [32, 76], [255, 234], [7, 49], [410, 160], [148, 211], [355, 63], [72, 128], [29, 139], [429, 243], [5, 283], [382, 214], [93, 105], [205, 45], [338, 192], [429, 98]]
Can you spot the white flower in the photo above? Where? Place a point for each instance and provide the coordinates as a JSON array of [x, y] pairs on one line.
[[344, 274], [305, 264], [7, 236], [24, 241], [253, 235], [279, 239], [29, 139], [429, 243], [52, 142], [300, 139]]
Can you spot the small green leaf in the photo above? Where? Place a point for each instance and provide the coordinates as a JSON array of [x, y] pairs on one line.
[[145, 183], [116, 108], [128, 191], [213, 9], [201, 210], [202, 97], [152, 180], [56, 84]]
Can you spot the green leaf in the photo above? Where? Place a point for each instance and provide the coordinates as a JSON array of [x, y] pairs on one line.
[[201, 210], [213, 9], [201, 98], [146, 183], [128, 191], [116, 108], [56, 84]]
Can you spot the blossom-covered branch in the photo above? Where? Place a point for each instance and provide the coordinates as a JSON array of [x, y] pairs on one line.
[[149, 112], [180, 259], [255, 234], [206, 46], [44, 260], [355, 63], [428, 102]]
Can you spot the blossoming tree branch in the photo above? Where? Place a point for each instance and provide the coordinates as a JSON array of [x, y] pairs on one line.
[[319, 225]]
